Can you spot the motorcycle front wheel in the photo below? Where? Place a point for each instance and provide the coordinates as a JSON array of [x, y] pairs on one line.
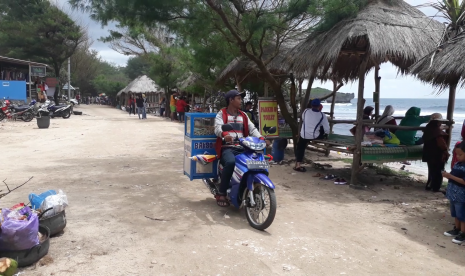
[[2, 116], [261, 216]]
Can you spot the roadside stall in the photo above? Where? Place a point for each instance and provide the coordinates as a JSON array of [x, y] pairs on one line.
[[199, 139], [21, 80]]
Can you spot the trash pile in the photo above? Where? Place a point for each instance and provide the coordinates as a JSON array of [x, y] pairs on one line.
[[26, 227]]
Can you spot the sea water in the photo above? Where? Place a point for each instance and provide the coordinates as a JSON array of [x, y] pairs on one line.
[[347, 111]]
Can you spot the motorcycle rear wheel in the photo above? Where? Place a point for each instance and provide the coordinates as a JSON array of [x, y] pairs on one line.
[[66, 114], [27, 117], [265, 201], [2, 116]]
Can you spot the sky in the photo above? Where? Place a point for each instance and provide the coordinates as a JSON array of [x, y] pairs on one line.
[[392, 85]]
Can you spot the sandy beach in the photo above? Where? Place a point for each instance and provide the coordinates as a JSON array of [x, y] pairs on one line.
[[121, 173]]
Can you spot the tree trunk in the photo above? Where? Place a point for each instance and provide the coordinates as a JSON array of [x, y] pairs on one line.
[[450, 110], [307, 94]]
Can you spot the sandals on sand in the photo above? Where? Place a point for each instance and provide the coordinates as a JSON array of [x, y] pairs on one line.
[[340, 181], [221, 200], [300, 169], [328, 177]]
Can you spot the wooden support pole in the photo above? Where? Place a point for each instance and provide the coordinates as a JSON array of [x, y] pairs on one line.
[[359, 127], [450, 109], [333, 103], [377, 90]]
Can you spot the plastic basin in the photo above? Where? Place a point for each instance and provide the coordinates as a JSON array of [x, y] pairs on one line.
[[29, 256], [55, 223], [43, 122]]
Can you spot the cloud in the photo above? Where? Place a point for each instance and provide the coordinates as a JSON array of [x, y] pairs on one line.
[[95, 31]]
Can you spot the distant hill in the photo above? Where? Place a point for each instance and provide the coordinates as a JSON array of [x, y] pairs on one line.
[[341, 97]]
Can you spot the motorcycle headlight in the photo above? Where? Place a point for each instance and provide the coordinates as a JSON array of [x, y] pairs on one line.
[[254, 146]]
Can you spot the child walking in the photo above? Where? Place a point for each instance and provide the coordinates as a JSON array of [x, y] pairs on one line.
[[456, 195]]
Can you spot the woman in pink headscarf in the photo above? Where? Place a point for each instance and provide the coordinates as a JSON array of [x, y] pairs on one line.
[[454, 155]]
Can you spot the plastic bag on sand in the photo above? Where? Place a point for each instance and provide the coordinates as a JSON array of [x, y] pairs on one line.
[[19, 234], [58, 202]]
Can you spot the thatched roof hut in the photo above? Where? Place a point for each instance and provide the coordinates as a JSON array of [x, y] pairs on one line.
[[140, 85], [443, 66], [386, 30]]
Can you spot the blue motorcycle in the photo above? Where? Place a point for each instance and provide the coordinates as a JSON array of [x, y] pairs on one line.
[[250, 186]]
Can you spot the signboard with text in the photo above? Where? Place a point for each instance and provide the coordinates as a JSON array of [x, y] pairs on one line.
[[268, 113], [38, 71]]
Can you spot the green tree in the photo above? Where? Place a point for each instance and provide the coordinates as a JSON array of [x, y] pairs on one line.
[[139, 65], [255, 29], [38, 30]]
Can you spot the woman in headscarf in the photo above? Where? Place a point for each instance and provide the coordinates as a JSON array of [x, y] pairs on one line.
[[412, 118], [435, 152], [387, 119], [367, 115], [454, 155]]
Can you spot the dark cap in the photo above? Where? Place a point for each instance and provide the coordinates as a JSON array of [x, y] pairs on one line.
[[233, 93], [316, 102]]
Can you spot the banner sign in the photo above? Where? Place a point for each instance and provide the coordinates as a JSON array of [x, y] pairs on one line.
[[38, 71], [268, 113]]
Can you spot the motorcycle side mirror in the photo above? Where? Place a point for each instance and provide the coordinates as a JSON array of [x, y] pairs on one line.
[[272, 130], [227, 127]]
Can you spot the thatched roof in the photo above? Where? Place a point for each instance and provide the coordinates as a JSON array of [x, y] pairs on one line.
[[141, 84], [444, 65], [386, 30], [247, 70]]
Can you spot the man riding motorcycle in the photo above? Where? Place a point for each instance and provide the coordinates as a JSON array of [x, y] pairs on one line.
[[243, 127]]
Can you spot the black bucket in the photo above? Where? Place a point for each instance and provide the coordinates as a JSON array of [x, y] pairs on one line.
[[55, 223], [29, 256], [43, 122]]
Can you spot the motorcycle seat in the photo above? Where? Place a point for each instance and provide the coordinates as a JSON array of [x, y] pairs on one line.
[[20, 108]]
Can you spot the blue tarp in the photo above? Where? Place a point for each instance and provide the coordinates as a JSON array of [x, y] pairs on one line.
[[13, 90]]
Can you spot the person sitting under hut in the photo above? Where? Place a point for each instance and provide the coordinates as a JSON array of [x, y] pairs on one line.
[[367, 115], [412, 119], [315, 125], [387, 119]]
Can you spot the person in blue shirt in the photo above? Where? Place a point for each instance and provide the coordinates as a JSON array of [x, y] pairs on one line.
[[456, 194]]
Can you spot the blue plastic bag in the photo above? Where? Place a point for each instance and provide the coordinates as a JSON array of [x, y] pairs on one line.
[[19, 234], [36, 200]]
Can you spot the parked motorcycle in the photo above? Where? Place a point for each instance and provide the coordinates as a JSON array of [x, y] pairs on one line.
[[250, 186], [63, 111], [23, 112], [5, 110]]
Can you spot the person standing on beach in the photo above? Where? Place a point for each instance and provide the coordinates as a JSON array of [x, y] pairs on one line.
[[140, 106], [454, 155], [435, 152], [456, 194], [144, 109], [132, 105], [162, 106], [181, 109], [173, 105], [413, 119]]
